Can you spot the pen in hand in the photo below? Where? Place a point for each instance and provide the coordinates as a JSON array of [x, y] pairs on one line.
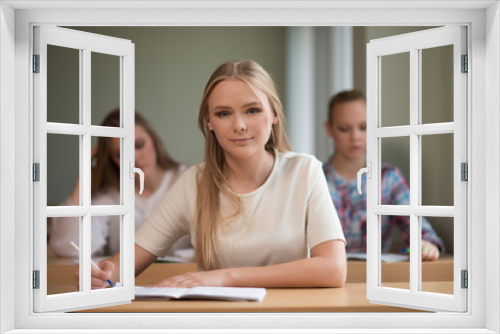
[[407, 250], [92, 262]]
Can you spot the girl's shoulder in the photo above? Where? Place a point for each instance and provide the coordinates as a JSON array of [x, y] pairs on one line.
[[299, 162], [392, 174], [110, 196], [390, 169], [298, 158], [190, 174]]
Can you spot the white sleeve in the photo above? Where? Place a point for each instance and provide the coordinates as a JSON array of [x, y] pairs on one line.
[[63, 230], [66, 229], [323, 223], [172, 217]]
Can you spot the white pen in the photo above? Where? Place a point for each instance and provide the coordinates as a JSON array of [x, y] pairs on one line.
[[92, 262]]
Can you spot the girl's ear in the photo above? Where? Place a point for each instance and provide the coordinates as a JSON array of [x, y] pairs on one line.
[[209, 125], [328, 129], [275, 118]]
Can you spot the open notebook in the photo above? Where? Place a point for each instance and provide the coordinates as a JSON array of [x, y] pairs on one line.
[[201, 292], [386, 257]]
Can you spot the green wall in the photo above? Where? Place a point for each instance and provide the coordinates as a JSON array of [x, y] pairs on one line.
[[172, 66]]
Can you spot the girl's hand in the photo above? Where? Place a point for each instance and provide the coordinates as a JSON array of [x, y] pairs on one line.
[[100, 277], [204, 278], [430, 252]]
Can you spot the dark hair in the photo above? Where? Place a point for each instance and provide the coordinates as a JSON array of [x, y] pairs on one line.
[[106, 173], [343, 97]]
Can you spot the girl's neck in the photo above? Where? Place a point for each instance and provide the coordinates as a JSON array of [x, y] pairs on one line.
[[151, 183], [245, 176], [348, 168]]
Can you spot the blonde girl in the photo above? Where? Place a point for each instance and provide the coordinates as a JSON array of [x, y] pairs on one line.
[[257, 214]]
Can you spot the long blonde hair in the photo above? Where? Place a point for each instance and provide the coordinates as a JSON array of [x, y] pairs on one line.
[[212, 181]]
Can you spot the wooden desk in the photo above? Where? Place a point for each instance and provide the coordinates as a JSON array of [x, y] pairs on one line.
[[351, 298]]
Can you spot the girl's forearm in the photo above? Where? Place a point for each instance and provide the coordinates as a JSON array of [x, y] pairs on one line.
[[312, 272]]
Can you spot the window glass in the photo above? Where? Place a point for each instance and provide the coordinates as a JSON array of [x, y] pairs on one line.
[[395, 267], [437, 169], [395, 155], [63, 85], [437, 84], [105, 240], [105, 86], [60, 269], [106, 173], [62, 168], [395, 94], [438, 276]]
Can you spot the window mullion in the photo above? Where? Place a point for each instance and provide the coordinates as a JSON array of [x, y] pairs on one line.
[[414, 169], [85, 167]]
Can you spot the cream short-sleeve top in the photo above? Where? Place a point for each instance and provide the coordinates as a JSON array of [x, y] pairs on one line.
[[282, 220]]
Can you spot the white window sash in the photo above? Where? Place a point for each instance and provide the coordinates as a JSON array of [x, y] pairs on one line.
[[86, 43], [412, 43]]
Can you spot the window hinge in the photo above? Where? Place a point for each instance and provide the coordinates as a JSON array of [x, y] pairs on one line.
[[36, 172], [36, 279], [465, 279], [465, 64], [464, 172], [36, 63]]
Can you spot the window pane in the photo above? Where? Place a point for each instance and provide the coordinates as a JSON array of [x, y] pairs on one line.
[[437, 169], [106, 232], [63, 85], [63, 169], [106, 171], [438, 276], [395, 178], [437, 84], [395, 267], [105, 86], [395, 89], [62, 259]]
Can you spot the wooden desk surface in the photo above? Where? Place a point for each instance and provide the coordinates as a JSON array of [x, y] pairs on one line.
[[351, 298]]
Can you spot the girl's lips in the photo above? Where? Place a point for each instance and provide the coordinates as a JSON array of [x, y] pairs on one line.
[[240, 141]]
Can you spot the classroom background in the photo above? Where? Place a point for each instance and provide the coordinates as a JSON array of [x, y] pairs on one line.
[[172, 65]]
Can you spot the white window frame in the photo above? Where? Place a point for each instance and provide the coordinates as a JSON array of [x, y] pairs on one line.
[[483, 123], [85, 44], [414, 44]]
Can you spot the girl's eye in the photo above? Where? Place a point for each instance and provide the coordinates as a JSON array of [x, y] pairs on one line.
[[222, 114], [253, 111], [362, 128], [342, 129], [139, 144]]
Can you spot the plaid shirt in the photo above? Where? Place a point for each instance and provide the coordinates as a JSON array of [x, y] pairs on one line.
[[351, 208]]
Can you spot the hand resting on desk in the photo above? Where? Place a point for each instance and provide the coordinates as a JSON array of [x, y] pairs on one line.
[[430, 252]]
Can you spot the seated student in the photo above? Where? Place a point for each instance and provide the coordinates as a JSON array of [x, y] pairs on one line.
[[258, 214], [346, 125], [160, 171]]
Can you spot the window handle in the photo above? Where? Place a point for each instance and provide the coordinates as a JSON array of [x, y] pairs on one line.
[[141, 175], [367, 170]]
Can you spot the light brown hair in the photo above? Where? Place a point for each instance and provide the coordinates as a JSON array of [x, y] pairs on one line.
[[343, 97], [105, 173], [212, 181]]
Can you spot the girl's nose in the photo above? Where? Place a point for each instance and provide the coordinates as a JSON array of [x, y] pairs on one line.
[[239, 124]]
